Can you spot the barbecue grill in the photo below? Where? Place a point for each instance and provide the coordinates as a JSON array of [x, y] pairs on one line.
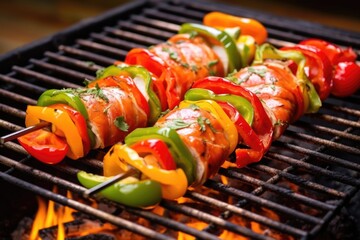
[[305, 179]]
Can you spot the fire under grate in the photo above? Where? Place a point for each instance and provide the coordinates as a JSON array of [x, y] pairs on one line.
[[302, 183]]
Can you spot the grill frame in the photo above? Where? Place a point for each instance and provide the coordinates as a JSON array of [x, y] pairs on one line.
[[23, 68]]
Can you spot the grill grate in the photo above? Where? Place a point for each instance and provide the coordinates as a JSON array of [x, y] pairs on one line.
[[308, 175]]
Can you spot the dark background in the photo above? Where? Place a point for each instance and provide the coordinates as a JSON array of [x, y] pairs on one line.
[[23, 21]]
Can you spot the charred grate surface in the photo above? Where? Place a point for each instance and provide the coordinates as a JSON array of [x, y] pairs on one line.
[[305, 179]]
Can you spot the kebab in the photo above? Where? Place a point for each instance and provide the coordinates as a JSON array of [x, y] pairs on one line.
[[256, 135], [129, 95], [241, 114]]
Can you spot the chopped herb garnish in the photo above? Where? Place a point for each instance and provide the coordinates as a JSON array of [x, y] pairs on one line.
[[99, 93], [212, 73], [281, 123], [106, 109], [174, 56], [203, 122], [194, 68], [259, 71], [194, 107], [212, 63], [177, 123], [243, 78], [86, 82], [185, 65], [100, 72], [121, 124]]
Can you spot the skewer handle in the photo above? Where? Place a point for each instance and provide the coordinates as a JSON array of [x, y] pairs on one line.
[[24, 131], [108, 183]]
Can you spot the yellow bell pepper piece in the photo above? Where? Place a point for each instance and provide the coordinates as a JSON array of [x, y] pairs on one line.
[[215, 109], [62, 125], [173, 182], [246, 45]]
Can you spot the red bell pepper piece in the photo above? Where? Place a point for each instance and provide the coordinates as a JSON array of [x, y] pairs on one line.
[[154, 65], [318, 68], [262, 124], [332, 51], [158, 149], [44, 146], [346, 79], [256, 149]]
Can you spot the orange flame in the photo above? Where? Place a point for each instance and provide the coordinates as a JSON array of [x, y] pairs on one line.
[[49, 215]]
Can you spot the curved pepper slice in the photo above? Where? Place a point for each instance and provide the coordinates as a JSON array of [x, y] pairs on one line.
[[69, 97], [179, 151], [45, 146], [129, 191], [312, 101], [173, 182], [262, 124], [79, 122], [220, 115], [62, 125], [332, 51], [156, 66], [247, 26], [241, 104], [66, 96], [159, 151], [220, 36], [255, 150], [318, 68]]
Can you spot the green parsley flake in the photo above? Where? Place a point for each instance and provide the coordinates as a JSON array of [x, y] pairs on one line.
[[177, 124], [121, 124], [259, 71]]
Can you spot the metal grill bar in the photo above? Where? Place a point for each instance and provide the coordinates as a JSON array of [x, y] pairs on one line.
[[322, 156], [280, 190], [91, 66], [289, 160], [263, 202], [62, 70], [248, 214], [299, 181], [105, 61], [318, 128], [45, 78], [314, 169], [19, 83], [324, 142], [17, 97]]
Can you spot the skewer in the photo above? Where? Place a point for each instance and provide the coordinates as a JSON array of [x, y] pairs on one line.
[[24, 131], [88, 192], [116, 178]]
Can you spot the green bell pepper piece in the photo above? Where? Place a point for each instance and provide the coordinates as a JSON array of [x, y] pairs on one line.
[[69, 97], [241, 104], [129, 191], [144, 86], [267, 51], [65, 96], [178, 149], [223, 37]]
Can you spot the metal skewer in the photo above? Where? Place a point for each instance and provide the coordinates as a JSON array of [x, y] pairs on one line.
[[88, 192], [116, 178], [22, 132]]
